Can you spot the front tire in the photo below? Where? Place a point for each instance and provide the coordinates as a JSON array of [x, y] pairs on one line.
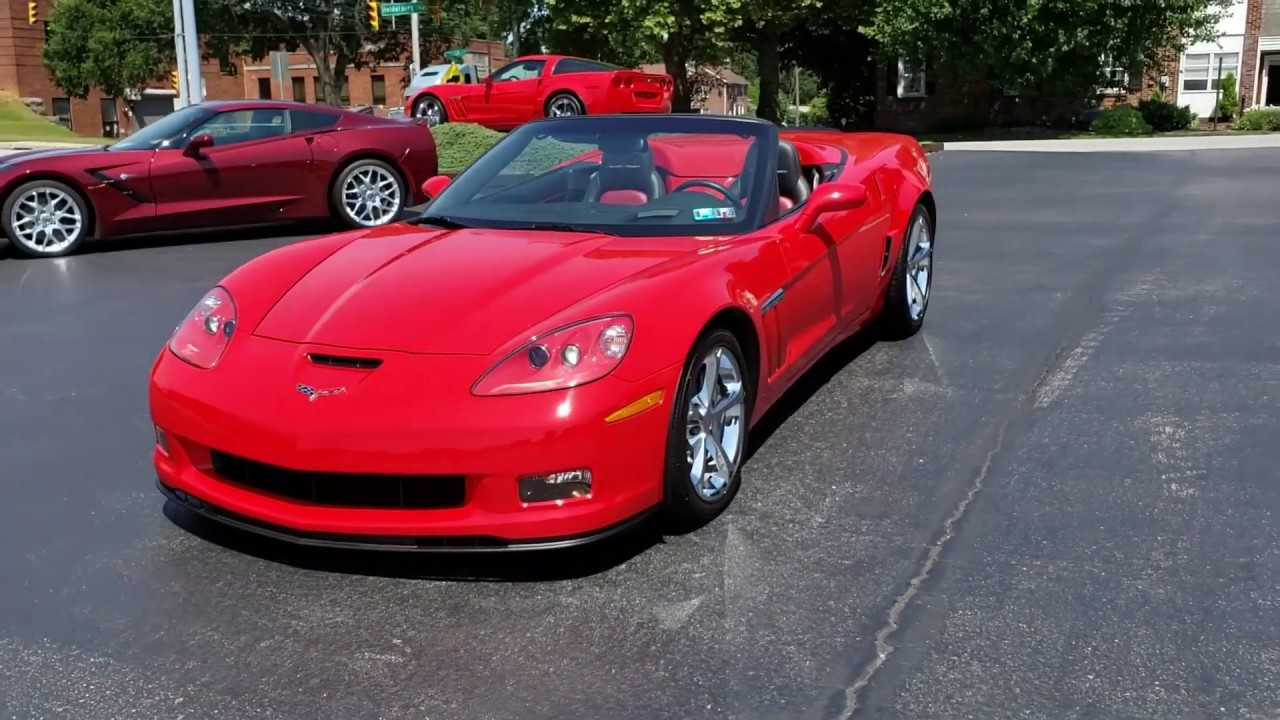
[[368, 193], [907, 298], [44, 219], [707, 438]]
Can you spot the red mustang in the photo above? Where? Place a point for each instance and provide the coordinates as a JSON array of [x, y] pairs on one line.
[[536, 86], [217, 164], [579, 330]]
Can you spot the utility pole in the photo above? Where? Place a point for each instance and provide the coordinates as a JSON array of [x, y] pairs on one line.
[[417, 46], [194, 83], [180, 52]]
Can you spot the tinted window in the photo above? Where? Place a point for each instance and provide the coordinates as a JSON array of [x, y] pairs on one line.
[[522, 70], [310, 121], [641, 176], [574, 65], [166, 128], [237, 126]]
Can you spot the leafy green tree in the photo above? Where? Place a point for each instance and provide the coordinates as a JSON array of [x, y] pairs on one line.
[[1047, 44], [112, 45], [827, 42], [761, 26], [1229, 103]]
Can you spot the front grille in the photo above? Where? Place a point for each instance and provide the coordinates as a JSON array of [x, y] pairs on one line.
[[352, 490]]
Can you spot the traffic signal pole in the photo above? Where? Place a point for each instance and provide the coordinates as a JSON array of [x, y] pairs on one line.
[[195, 87], [417, 46], [180, 52]]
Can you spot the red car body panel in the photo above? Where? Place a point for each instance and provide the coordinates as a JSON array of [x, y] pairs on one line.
[[259, 181], [382, 295], [505, 105]]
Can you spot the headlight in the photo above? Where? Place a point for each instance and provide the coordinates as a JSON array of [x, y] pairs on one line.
[[206, 331], [567, 357]]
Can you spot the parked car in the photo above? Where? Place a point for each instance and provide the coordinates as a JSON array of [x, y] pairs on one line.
[[217, 164], [466, 74], [536, 86], [578, 332]]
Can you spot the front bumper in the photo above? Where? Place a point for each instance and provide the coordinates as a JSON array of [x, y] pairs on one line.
[[414, 415]]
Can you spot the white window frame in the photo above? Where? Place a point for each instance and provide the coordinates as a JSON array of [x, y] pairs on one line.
[[905, 70], [1117, 78], [1211, 71]]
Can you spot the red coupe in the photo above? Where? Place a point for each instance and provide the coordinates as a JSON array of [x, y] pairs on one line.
[[217, 164], [537, 86], [579, 330]]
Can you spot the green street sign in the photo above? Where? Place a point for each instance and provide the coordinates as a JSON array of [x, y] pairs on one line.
[[391, 9]]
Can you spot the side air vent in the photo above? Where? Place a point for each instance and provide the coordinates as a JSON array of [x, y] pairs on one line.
[[884, 261], [345, 361]]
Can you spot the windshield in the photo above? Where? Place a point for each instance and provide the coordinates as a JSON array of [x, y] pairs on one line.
[[641, 175], [170, 126]]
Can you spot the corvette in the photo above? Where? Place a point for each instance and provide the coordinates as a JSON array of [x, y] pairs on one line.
[[217, 164], [537, 86], [577, 332]]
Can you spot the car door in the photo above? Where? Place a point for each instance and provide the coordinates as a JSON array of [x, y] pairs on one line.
[[808, 307], [859, 239], [255, 169], [514, 95]]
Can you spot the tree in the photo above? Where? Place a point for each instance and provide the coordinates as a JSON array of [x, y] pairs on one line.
[[762, 25], [1050, 44], [115, 46], [335, 33], [827, 41]]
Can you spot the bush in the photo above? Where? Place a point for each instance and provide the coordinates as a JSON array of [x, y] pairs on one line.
[[1260, 119], [1229, 102], [1164, 116], [459, 144], [1120, 120]]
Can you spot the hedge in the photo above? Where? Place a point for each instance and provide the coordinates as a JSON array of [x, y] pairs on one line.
[[459, 144]]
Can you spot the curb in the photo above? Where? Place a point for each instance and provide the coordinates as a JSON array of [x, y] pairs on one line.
[[932, 147], [35, 145]]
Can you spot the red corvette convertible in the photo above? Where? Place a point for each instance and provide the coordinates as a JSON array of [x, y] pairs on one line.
[[579, 330], [537, 86], [217, 164]]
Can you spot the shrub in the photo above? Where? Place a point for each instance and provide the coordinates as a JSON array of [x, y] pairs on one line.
[[1164, 116], [1229, 102], [1120, 120], [1260, 119], [459, 144]]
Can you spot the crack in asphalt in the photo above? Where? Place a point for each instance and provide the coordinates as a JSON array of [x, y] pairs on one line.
[[883, 647]]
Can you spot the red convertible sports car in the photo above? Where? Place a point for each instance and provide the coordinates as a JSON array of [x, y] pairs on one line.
[[579, 330], [537, 86], [217, 164]]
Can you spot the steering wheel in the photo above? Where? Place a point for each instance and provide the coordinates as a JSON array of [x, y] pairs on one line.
[[728, 194]]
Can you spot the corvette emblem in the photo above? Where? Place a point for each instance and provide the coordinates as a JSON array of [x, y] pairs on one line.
[[314, 394]]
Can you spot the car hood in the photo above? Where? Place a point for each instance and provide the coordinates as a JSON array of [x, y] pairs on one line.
[[464, 292], [45, 154]]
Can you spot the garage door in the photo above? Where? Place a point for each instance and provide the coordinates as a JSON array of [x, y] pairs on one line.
[[149, 109]]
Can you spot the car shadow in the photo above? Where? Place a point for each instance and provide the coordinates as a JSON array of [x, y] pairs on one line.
[[201, 236], [521, 566]]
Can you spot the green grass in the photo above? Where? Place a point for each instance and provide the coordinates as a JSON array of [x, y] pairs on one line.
[[459, 144], [19, 124]]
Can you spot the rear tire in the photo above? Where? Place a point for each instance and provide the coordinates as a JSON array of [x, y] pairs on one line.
[[907, 299], [430, 107], [45, 219], [564, 105], [368, 193], [693, 492]]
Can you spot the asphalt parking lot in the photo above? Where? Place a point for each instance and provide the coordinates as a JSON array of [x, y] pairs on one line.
[[1060, 500]]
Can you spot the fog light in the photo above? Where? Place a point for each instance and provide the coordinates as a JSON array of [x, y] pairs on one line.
[[161, 441], [555, 486]]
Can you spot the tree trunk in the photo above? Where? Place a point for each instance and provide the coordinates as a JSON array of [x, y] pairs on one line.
[[769, 63], [328, 87], [675, 56]]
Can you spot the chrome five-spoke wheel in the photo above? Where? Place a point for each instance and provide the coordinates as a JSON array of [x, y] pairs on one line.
[[431, 109], [564, 106], [716, 424], [919, 266], [45, 219], [370, 194]]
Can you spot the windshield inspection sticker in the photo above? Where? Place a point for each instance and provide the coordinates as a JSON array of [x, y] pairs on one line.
[[720, 213]]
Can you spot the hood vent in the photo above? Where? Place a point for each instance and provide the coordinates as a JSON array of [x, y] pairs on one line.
[[345, 361]]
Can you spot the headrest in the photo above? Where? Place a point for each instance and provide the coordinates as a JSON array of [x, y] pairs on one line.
[[624, 144]]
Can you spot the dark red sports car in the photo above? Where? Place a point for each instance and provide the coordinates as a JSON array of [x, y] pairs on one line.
[[579, 330], [537, 86], [217, 164]]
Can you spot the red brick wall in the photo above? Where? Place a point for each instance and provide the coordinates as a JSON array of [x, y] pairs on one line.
[[1249, 87]]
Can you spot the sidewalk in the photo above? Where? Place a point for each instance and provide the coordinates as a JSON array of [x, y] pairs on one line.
[[1141, 144], [40, 145]]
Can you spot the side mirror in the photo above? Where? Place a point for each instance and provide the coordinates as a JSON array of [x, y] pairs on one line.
[[829, 198], [434, 185], [197, 143], [488, 80]]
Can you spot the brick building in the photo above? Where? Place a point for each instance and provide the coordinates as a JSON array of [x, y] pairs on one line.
[[22, 73]]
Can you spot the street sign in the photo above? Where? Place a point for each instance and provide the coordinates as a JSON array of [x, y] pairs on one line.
[[391, 9]]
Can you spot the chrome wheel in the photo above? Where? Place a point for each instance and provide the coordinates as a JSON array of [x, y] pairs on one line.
[[919, 266], [371, 196], [46, 220], [716, 424], [431, 109], [563, 106]]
